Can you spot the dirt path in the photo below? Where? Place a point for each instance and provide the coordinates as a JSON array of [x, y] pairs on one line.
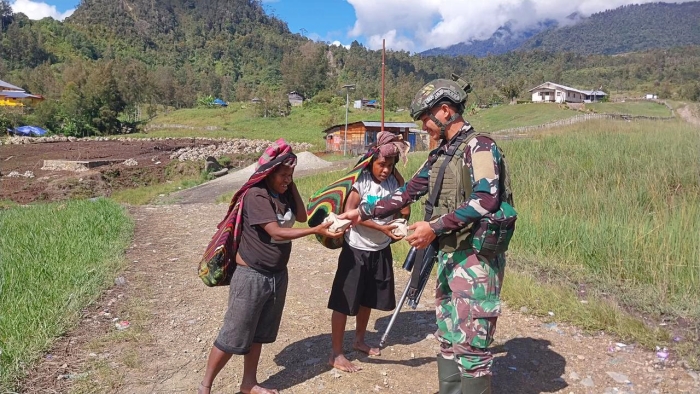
[[175, 318]]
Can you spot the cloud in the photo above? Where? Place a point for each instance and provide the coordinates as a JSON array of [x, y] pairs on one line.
[[417, 25], [339, 44], [39, 10]]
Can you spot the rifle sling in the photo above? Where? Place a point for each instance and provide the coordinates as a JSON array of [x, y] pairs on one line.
[[429, 205]]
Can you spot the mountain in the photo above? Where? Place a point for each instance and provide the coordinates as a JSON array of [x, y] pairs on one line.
[[629, 28], [115, 63], [502, 41], [172, 31]]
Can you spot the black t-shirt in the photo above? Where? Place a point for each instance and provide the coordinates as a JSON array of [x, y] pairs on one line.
[[257, 248]]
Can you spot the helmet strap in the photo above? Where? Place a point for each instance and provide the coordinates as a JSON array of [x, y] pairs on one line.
[[443, 126]]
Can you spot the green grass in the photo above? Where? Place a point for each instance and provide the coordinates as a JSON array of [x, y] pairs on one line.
[[605, 202], [304, 124], [636, 108], [54, 260], [510, 116], [147, 194], [602, 206]]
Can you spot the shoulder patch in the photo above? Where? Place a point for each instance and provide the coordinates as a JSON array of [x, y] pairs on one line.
[[482, 165]]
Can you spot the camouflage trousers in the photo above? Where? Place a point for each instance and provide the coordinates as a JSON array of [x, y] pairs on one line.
[[467, 304]]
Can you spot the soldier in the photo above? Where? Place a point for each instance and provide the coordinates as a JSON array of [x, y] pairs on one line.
[[467, 182]]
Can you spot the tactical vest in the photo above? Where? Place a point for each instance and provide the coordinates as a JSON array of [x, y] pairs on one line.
[[455, 190]]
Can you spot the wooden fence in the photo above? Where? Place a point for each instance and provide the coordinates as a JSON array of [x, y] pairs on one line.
[[579, 119]]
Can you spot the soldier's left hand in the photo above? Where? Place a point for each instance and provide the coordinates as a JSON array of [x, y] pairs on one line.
[[422, 235]]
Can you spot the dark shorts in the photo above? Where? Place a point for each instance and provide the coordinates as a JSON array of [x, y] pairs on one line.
[[255, 304], [363, 278]]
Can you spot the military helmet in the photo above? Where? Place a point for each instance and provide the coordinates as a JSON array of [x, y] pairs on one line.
[[439, 90]]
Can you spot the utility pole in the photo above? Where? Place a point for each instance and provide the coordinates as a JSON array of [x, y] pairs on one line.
[[347, 102]]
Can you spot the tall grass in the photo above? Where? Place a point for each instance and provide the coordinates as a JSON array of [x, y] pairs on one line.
[[615, 203], [607, 206], [54, 259]]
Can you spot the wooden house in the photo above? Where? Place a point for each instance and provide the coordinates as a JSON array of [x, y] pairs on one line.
[[550, 92], [363, 134], [14, 96], [295, 98]]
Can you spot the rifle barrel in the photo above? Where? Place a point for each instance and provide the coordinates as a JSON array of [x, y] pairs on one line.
[[393, 316]]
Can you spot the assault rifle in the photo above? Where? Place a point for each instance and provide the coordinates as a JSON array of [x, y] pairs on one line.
[[420, 273]]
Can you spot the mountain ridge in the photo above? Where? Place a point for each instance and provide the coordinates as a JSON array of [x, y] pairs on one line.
[[629, 28]]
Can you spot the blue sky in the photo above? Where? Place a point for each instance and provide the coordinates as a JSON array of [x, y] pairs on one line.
[[319, 20], [410, 25]]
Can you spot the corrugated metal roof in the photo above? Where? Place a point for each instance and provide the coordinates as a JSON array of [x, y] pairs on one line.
[[592, 92], [411, 126], [564, 87], [10, 86], [16, 94], [390, 124]]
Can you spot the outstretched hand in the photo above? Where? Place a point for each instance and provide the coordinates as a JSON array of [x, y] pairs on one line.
[[352, 215], [322, 230], [422, 235], [388, 229]]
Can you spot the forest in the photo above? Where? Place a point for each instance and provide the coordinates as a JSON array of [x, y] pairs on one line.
[[112, 65]]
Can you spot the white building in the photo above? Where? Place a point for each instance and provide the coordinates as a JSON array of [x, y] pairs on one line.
[[556, 93]]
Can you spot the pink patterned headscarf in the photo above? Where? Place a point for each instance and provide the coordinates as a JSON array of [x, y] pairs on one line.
[[390, 144], [278, 150]]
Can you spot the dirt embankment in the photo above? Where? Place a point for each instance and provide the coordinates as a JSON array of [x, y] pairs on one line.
[[57, 168], [690, 114]]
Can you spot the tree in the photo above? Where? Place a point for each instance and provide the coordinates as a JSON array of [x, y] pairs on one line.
[[511, 89], [5, 14]]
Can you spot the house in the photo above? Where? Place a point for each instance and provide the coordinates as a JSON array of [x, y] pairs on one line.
[[363, 134], [364, 103], [556, 93], [14, 96], [295, 98]]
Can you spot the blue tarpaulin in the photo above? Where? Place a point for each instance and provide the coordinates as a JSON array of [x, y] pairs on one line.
[[29, 131], [219, 102]]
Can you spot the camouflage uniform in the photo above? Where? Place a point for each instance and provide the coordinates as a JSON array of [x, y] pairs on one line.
[[467, 296]]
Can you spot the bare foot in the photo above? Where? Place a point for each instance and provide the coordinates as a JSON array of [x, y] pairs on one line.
[[257, 389], [202, 389], [339, 361], [365, 348]]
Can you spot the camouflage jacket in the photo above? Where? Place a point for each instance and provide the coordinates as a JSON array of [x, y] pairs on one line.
[[482, 158]]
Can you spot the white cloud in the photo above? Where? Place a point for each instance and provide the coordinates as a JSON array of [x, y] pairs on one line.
[[417, 25], [39, 10], [339, 44]]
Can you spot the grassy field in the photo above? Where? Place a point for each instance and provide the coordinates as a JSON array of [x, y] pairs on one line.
[[509, 116], [609, 204], [636, 108], [305, 124], [603, 210], [54, 260]]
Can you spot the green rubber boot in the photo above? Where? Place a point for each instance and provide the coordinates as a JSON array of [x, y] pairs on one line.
[[450, 378], [480, 385]]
